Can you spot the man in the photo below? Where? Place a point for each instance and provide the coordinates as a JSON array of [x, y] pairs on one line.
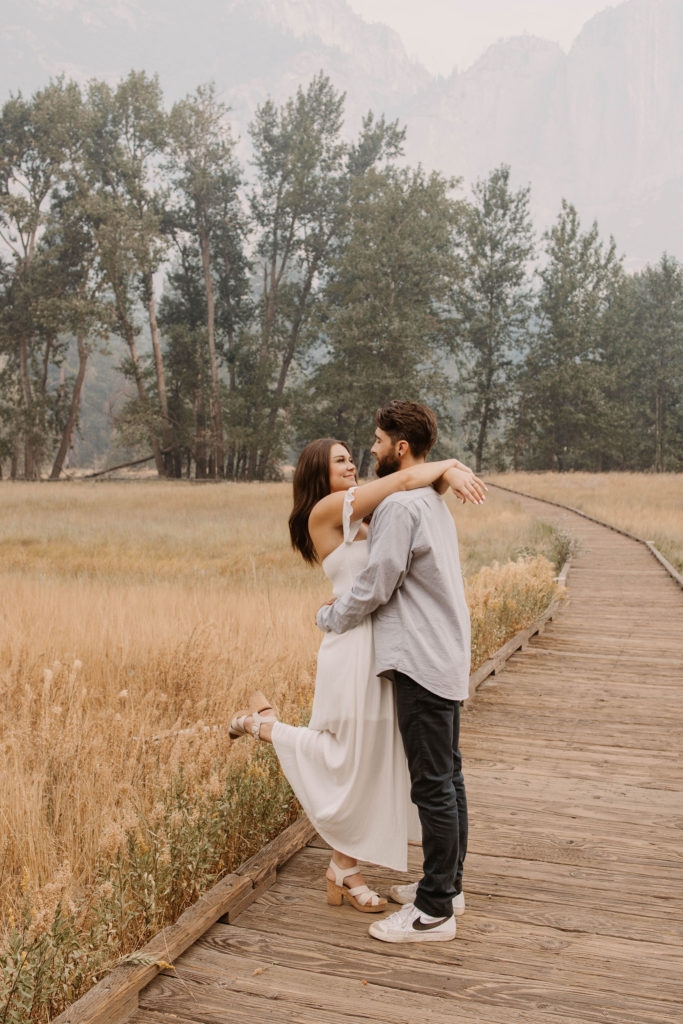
[[413, 587]]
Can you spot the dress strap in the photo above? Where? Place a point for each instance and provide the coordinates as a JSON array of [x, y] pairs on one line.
[[350, 529]]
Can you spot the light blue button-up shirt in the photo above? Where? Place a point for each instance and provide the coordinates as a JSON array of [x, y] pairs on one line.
[[413, 588]]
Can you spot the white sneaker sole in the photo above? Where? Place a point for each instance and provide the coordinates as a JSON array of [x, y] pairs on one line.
[[429, 936]]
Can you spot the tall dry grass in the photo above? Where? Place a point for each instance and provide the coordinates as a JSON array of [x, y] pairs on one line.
[[130, 611], [649, 505]]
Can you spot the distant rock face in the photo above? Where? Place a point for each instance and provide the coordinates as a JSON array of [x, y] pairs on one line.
[[490, 113], [600, 126], [376, 50]]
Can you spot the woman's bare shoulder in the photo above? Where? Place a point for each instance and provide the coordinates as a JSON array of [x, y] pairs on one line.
[[328, 510]]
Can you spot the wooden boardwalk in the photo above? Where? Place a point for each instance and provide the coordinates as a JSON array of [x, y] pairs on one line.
[[574, 879]]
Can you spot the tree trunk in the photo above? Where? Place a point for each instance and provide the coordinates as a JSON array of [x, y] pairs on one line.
[[83, 353], [659, 431], [29, 454], [252, 461], [142, 394], [285, 365], [481, 438], [156, 346], [231, 332], [216, 410], [484, 421]]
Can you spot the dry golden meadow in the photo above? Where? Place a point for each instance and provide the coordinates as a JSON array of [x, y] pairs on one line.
[[138, 610], [648, 505]]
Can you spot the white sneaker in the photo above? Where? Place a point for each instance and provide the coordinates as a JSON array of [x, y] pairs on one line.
[[410, 925], [407, 894]]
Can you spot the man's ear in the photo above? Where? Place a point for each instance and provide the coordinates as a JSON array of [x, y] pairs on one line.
[[401, 448]]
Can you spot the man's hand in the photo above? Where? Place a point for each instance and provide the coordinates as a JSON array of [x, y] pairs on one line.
[[465, 485], [331, 601]]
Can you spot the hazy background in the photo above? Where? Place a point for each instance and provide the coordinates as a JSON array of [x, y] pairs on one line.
[[583, 104], [583, 101]]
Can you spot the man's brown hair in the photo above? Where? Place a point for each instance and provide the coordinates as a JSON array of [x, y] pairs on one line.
[[411, 422]]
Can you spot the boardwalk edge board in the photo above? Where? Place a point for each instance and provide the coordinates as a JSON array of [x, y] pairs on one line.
[[673, 572], [113, 999]]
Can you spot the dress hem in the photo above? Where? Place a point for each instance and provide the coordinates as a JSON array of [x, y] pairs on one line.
[[288, 762]]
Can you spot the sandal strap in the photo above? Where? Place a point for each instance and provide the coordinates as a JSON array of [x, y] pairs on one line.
[[360, 891], [342, 873], [237, 721], [257, 719]]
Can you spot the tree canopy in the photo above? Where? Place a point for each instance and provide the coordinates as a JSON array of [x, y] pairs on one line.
[[246, 306]]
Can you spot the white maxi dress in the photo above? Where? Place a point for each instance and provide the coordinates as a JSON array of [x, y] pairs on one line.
[[348, 768]]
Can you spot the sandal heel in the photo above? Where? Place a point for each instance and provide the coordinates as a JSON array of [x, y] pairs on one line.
[[335, 894]]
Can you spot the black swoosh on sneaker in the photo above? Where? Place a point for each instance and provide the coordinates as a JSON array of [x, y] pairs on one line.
[[424, 926]]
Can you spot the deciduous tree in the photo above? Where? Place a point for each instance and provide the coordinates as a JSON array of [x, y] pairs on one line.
[[383, 311], [206, 179], [563, 379], [40, 142], [492, 299]]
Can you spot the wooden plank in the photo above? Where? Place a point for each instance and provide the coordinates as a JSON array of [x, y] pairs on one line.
[[440, 980], [557, 845], [311, 917], [584, 729], [632, 707], [654, 681], [212, 1001], [600, 964], [492, 876], [292, 997], [457, 989], [516, 787], [574, 755]]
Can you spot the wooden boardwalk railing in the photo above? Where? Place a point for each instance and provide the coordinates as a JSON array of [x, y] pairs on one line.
[[574, 876]]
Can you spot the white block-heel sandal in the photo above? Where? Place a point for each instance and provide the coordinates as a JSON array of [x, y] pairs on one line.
[[360, 897], [260, 711]]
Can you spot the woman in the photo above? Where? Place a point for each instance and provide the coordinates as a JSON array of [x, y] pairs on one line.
[[348, 768]]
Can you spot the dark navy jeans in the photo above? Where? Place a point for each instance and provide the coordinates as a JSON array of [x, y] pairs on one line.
[[430, 729]]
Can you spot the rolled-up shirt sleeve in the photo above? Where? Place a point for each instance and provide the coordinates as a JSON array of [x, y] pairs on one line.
[[388, 561]]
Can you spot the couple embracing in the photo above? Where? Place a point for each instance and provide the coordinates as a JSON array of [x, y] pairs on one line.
[[392, 670]]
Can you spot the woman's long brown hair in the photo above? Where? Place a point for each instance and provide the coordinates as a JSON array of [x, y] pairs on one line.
[[311, 483]]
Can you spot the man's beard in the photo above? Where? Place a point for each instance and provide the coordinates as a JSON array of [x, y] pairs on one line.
[[390, 463]]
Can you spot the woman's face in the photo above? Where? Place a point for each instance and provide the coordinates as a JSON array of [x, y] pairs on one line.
[[342, 469]]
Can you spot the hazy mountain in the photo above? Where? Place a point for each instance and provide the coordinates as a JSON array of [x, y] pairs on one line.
[[599, 125], [250, 48]]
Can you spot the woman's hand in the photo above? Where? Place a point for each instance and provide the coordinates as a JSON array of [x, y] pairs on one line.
[[465, 485]]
